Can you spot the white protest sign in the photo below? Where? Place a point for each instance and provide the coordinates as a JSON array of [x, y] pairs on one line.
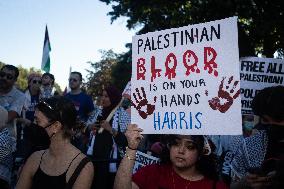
[[257, 74], [143, 159], [186, 80], [127, 90]]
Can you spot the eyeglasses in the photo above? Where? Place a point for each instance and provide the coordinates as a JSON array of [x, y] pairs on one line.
[[53, 109], [36, 81], [72, 79], [7, 75]]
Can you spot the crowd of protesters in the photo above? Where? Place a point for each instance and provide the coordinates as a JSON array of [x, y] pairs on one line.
[[48, 140]]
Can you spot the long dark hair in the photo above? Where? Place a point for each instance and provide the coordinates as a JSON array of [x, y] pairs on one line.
[[206, 164], [60, 109]]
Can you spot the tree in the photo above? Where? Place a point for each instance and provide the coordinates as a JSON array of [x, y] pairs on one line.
[[100, 76], [22, 81], [261, 22], [121, 71]]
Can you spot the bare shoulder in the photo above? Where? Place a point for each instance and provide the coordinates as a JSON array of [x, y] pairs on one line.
[[32, 162], [83, 178], [35, 158], [76, 162]]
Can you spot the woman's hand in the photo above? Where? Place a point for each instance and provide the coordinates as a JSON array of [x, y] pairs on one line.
[[133, 135]]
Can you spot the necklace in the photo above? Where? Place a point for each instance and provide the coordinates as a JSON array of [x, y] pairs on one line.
[[174, 183]]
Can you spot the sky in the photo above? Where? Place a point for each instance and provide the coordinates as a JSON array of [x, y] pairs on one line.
[[78, 29]]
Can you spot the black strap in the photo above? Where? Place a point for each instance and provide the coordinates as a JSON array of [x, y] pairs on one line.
[[76, 173], [72, 161], [41, 158]]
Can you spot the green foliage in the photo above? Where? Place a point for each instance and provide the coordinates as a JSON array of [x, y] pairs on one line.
[[22, 82], [261, 22], [58, 88], [100, 75], [121, 71]]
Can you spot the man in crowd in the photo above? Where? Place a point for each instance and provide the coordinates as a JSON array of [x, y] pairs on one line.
[[10, 98], [47, 88], [83, 104], [11, 104]]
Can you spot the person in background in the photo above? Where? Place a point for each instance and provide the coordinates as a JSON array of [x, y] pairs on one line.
[[10, 98], [83, 103], [186, 163], [84, 106], [110, 142], [259, 161], [32, 95], [25, 139], [61, 165], [47, 87], [7, 147], [248, 124]]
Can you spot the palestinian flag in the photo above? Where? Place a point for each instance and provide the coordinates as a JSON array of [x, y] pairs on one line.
[[45, 63]]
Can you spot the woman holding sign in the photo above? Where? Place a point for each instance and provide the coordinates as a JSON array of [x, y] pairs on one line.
[[186, 164], [105, 143]]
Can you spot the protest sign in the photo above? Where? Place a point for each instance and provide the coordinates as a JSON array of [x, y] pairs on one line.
[[186, 80], [256, 74], [143, 159]]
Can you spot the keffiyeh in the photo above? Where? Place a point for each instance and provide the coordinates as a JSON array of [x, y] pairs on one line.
[[250, 154]]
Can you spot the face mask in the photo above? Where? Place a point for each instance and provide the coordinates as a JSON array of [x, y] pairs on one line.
[[248, 125], [40, 138]]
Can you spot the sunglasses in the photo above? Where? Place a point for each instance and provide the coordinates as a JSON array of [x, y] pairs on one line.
[[7, 75], [36, 81], [72, 80], [46, 105]]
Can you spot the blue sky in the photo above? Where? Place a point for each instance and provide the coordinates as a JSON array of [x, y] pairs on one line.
[[77, 30]]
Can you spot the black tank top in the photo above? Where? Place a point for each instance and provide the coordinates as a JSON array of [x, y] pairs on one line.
[[43, 181]]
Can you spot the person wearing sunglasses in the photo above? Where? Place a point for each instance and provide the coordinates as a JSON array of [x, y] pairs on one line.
[[186, 162], [11, 98], [27, 145], [62, 165], [83, 103], [32, 94]]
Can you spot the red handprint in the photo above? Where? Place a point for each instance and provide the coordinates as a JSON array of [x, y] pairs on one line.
[[143, 102], [225, 95]]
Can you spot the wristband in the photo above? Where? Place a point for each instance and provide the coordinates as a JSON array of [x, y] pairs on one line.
[[127, 147]]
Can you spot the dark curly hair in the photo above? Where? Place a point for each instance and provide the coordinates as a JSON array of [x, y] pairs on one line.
[[60, 109], [270, 102], [206, 164]]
